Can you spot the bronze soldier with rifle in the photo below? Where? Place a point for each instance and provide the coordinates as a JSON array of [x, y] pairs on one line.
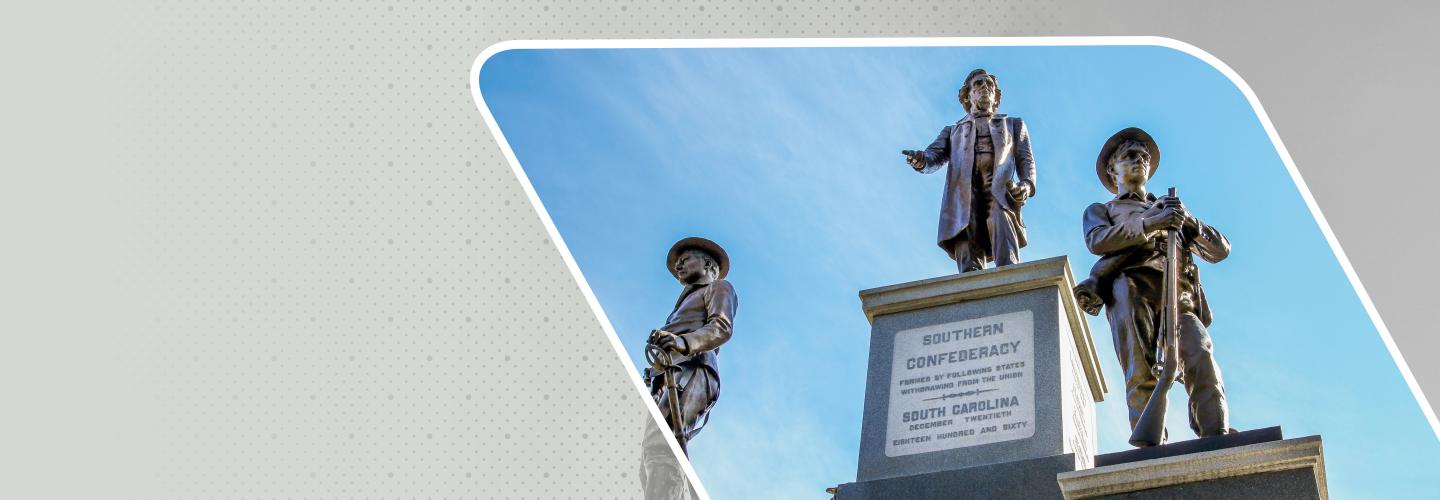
[[1148, 283]]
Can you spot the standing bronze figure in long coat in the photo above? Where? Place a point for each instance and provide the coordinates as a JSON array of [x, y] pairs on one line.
[[1129, 233], [991, 175]]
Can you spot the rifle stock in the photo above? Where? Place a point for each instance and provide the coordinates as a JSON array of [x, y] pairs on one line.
[[1150, 428]]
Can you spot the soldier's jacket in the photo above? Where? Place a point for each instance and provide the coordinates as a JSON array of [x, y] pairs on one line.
[[1114, 230], [703, 315]]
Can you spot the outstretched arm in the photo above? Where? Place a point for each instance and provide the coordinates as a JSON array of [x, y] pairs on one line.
[[934, 156]]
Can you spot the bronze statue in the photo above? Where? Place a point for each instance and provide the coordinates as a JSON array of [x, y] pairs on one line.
[[683, 378], [991, 175], [1132, 233]]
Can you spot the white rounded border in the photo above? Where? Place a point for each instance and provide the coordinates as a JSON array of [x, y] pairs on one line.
[[1170, 43]]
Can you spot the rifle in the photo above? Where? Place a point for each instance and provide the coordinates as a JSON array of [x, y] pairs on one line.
[[1150, 428], [662, 363]]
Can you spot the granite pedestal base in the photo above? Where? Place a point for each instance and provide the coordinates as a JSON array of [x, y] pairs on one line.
[[1290, 469], [1211, 443], [980, 385], [1023, 479]]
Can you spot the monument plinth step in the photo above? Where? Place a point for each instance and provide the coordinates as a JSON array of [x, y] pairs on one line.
[[1032, 479], [1192, 446], [1290, 468]]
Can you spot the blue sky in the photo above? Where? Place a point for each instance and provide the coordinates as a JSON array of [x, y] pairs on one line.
[[790, 159]]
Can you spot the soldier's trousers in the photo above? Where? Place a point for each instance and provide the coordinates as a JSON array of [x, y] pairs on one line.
[[1135, 319], [660, 472]]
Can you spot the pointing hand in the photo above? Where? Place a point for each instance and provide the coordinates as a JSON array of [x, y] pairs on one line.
[[916, 159]]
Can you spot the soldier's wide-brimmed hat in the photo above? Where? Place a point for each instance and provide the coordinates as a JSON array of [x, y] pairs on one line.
[[702, 244], [1102, 162]]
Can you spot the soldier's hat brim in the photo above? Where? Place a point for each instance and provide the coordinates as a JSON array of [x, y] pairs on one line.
[[702, 244], [1102, 162]]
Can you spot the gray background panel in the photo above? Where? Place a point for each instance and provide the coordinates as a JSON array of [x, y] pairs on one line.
[[266, 247]]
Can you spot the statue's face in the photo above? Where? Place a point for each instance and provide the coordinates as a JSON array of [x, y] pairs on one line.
[[690, 267], [1130, 165], [982, 94]]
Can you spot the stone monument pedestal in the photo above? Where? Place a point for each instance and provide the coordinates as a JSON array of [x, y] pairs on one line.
[[1251, 464], [980, 385]]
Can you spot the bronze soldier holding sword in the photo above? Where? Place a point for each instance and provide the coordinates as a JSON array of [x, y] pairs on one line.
[[683, 377]]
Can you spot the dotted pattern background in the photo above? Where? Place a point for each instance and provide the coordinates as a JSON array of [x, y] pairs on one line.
[[283, 257], [350, 294]]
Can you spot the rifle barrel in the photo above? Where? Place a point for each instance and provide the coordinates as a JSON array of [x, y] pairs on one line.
[[1150, 427]]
